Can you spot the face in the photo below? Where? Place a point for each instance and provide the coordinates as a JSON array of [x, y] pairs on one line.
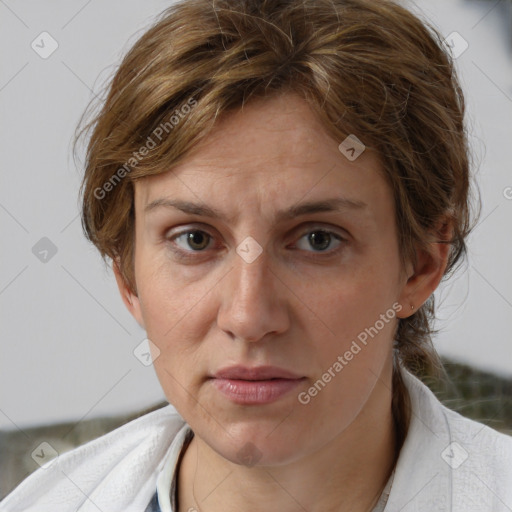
[[314, 292]]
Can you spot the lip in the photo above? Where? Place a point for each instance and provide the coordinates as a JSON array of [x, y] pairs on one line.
[[255, 386], [240, 372]]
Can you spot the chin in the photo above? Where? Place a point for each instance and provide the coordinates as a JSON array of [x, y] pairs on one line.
[[257, 443], [252, 452]]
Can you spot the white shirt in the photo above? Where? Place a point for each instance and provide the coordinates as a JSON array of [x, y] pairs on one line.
[[165, 496], [447, 463]]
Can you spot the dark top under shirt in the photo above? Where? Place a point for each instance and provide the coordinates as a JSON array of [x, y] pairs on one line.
[[154, 505]]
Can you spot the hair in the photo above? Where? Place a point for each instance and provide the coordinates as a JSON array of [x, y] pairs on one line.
[[368, 68]]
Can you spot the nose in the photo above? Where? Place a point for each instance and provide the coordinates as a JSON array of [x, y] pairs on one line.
[[253, 301]]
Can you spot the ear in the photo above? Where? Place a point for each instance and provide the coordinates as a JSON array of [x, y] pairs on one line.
[[130, 298], [428, 271]]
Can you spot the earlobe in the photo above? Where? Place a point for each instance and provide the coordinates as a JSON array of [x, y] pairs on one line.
[[130, 298]]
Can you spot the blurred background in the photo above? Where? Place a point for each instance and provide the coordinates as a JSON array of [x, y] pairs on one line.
[[72, 363]]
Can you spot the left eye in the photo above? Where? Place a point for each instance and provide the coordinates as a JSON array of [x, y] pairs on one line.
[[320, 239]]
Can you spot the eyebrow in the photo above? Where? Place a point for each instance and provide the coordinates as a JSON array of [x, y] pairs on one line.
[[327, 205]]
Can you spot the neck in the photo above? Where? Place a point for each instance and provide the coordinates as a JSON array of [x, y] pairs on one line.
[[347, 473]]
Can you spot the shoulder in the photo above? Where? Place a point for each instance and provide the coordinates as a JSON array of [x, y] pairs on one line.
[[477, 437], [117, 471], [449, 462], [481, 461]]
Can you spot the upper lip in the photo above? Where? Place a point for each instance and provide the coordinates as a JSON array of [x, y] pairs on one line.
[[257, 373]]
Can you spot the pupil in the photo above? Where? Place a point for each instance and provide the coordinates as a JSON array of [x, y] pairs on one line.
[[319, 236], [195, 238]]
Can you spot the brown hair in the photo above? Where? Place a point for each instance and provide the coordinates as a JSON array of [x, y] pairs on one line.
[[367, 68]]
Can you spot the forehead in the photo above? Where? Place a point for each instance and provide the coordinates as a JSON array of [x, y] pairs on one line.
[[275, 151]]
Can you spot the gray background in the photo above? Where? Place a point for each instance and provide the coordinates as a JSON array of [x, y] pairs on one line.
[[67, 341]]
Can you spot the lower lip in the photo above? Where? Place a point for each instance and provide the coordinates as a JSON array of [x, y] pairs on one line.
[[255, 391]]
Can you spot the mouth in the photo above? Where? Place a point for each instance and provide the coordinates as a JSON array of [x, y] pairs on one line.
[[255, 386]]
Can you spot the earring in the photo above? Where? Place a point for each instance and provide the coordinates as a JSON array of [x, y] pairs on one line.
[[412, 307]]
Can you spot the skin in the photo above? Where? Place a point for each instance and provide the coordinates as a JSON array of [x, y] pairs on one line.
[[285, 308]]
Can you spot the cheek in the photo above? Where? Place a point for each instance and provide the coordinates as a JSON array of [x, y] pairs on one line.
[[164, 296], [176, 320], [352, 337], [170, 312], [348, 369], [353, 305]]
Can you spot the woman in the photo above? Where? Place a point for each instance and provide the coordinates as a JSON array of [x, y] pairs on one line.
[[281, 186]]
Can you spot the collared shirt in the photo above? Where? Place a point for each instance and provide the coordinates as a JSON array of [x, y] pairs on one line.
[[165, 497]]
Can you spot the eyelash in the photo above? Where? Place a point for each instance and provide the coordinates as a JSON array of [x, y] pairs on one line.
[[188, 255]]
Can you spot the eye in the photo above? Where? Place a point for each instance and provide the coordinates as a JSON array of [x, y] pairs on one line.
[[196, 239], [190, 243], [320, 240]]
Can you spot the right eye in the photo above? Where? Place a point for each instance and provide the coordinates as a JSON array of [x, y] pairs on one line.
[[193, 239]]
